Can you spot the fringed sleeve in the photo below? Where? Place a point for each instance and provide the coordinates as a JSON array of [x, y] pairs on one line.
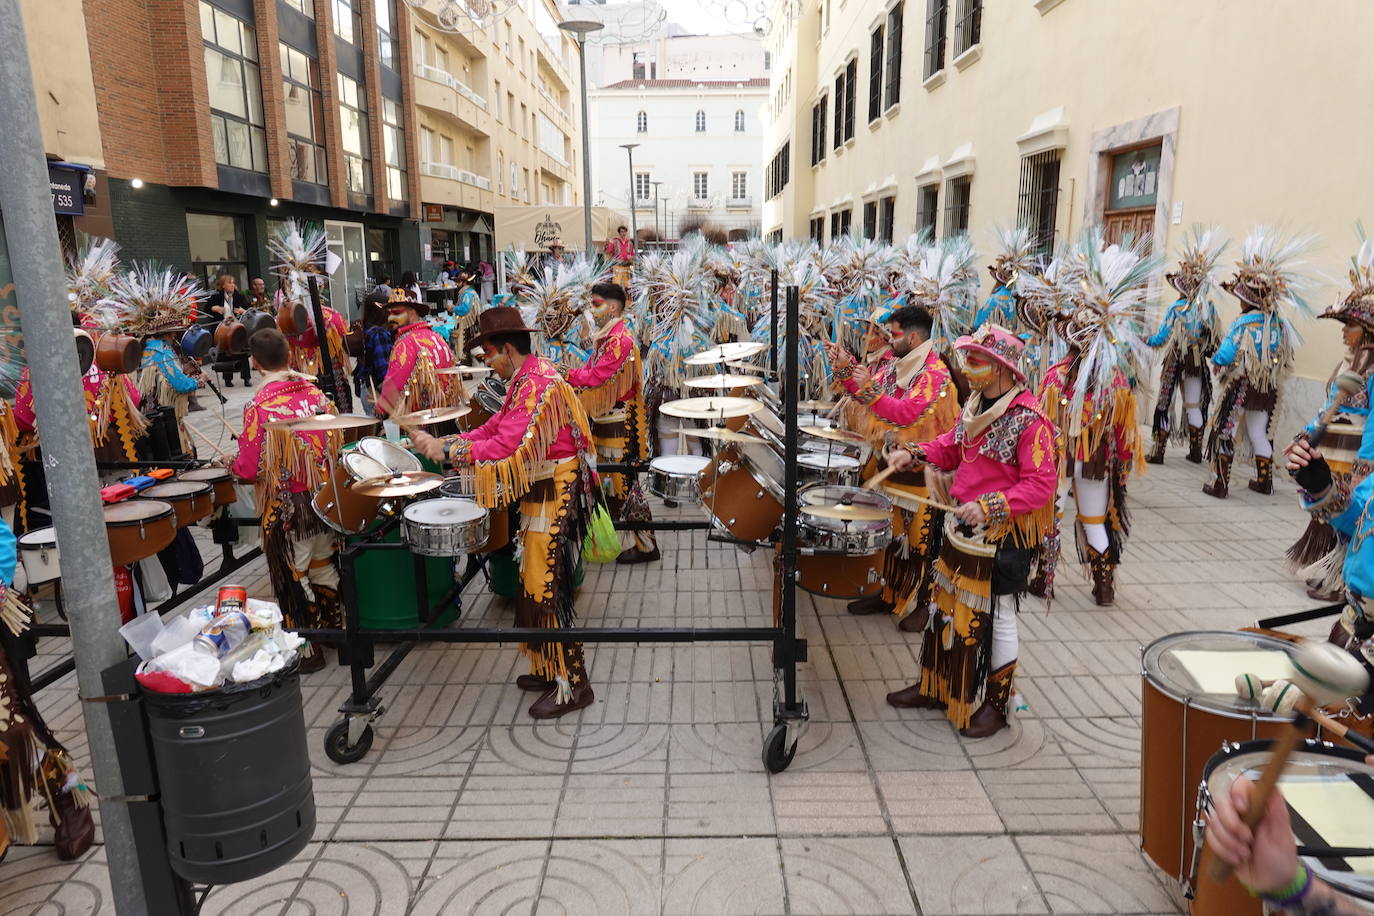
[[1026, 508], [613, 374]]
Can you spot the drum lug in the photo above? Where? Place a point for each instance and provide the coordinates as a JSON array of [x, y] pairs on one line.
[[1189, 881]]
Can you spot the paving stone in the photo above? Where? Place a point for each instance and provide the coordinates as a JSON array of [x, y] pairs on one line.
[[844, 875], [1098, 875], [970, 874]]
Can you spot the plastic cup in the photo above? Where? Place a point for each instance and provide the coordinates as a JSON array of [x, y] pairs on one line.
[[141, 632]]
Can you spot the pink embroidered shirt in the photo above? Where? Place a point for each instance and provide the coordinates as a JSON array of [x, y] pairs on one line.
[[412, 341], [612, 350], [499, 437], [91, 383], [278, 399]]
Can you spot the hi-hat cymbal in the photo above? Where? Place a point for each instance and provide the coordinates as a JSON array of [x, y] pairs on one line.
[[711, 408], [431, 416], [464, 370], [325, 422], [847, 512], [721, 434], [740, 349], [815, 406], [404, 483], [724, 382], [834, 435]]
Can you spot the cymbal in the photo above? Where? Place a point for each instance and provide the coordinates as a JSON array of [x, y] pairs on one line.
[[847, 512], [724, 382], [324, 422], [713, 408], [727, 351], [815, 406], [404, 483], [723, 435], [835, 435], [464, 370], [432, 415]]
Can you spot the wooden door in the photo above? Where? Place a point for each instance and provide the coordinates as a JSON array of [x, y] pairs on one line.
[[1137, 224]]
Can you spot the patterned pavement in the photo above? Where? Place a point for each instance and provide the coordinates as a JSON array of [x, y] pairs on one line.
[[653, 800]]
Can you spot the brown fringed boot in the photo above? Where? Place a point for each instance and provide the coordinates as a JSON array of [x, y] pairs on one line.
[[1220, 488], [991, 717], [1104, 574], [1156, 455], [1194, 445], [550, 705], [1264, 476]]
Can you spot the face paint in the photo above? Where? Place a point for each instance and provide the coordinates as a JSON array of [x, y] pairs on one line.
[[980, 375], [902, 343], [602, 312]]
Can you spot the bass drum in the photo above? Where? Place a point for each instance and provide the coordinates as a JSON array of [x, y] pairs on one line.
[[339, 506], [231, 337]]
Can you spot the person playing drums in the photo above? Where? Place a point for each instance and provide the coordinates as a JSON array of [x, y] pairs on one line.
[[537, 448], [1266, 857], [412, 381], [612, 391], [997, 466], [909, 399], [288, 468]]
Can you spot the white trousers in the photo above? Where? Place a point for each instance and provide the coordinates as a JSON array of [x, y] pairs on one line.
[[1257, 425], [1004, 639], [1090, 499], [1192, 399]]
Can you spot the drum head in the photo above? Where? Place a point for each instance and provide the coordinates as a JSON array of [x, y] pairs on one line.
[[133, 511], [491, 393], [206, 475], [1330, 796], [679, 465], [827, 462], [443, 511], [1200, 668], [177, 489], [388, 454], [363, 467], [39, 538], [830, 495]]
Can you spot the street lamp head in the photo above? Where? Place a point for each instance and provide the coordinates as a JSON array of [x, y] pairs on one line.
[[628, 145], [581, 28]]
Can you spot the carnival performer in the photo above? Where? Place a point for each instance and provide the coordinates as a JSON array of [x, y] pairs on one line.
[[288, 468], [468, 308], [611, 389], [620, 251], [1017, 257], [1088, 397], [297, 252], [1339, 432], [997, 465], [538, 449], [305, 354], [158, 304], [1256, 355], [1188, 335], [412, 379]]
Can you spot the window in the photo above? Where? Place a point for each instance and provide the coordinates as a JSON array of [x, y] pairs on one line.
[[231, 74], [524, 120], [839, 223], [217, 247], [739, 185], [818, 113], [506, 36], [894, 57], [642, 181], [348, 21], [642, 123], [871, 219], [1038, 199], [851, 74], [767, 60], [500, 173], [701, 122], [304, 7], [958, 195], [394, 146], [526, 185], [818, 228], [875, 74], [968, 30], [927, 204], [779, 171], [300, 83], [839, 110], [637, 65], [388, 52], [700, 186], [514, 181], [356, 149], [496, 99], [937, 14], [887, 216], [739, 120]]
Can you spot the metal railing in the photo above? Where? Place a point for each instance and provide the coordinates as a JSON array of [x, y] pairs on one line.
[[453, 173], [739, 203], [444, 78]]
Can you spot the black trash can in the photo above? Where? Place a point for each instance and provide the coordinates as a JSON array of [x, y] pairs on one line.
[[234, 776]]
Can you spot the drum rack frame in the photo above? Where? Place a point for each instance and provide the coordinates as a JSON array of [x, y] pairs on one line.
[[350, 738]]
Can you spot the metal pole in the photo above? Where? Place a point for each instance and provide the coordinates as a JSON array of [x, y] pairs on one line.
[[586, 150], [789, 474], [634, 224], [73, 490], [326, 379], [773, 324]]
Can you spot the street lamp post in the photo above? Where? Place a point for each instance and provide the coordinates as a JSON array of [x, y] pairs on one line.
[[629, 149], [580, 29], [656, 232]]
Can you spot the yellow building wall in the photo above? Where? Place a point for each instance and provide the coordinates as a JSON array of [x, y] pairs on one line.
[[56, 32]]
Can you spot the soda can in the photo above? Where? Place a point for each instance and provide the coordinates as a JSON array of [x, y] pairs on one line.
[[225, 633], [231, 598]]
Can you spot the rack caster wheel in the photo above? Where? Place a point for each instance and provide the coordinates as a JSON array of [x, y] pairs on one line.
[[337, 748], [777, 753]]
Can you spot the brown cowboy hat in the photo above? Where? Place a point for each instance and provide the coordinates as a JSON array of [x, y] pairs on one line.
[[503, 319]]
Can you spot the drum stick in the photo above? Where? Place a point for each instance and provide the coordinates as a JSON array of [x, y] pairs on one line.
[[876, 480], [233, 433], [1336, 728], [206, 439], [944, 507]]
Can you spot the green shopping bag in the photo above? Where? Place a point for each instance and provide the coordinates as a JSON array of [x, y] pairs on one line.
[[603, 543]]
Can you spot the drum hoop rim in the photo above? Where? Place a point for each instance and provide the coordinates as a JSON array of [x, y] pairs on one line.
[[205, 486], [168, 511], [1147, 674], [420, 504]]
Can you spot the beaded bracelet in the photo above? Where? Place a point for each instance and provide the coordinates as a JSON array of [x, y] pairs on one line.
[[1289, 895]]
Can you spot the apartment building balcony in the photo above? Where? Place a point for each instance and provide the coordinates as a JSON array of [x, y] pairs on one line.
[[554, 107], [740, 203], [441, 183], [554, 65], [701, 203], [556, 166], [443, 93]]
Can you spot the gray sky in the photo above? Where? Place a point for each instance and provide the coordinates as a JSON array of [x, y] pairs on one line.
[[707, 17]]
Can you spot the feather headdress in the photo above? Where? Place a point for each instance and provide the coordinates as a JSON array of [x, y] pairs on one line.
[[945, 283], [1015, 255], [1358, 305], [299, 250], [680, 317], [859, 284], [153, 300], [555, 302], [90, 280], [1271, 273]]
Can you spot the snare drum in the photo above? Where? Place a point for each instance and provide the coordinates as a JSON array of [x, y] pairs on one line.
[[827, 468], [854, 538], [192, 500], [1189, 707], [219, 479], [1326, 788], [674, 477], [498, 520], [840, 576], [444, 527], [138, 529], [38, 553], [742, 496]]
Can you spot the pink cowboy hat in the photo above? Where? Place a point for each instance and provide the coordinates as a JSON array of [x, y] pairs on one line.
[[996, 343]]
